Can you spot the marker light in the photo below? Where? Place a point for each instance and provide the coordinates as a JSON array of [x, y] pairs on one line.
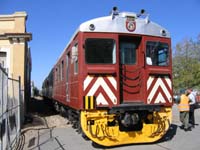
[[92, 27], [163, 32]]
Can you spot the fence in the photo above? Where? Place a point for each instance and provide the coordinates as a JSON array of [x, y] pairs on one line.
[[9, 111]]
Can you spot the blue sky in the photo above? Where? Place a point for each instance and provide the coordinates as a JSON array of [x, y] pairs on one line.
[[52, 22]]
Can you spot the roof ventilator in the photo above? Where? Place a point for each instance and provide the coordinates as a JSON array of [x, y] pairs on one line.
[[114, 12]]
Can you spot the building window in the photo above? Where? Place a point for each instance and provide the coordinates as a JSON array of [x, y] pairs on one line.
[[3, 56]]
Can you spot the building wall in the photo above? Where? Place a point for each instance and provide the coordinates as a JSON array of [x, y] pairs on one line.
[[14, 23], [14, 41], [18, 60]]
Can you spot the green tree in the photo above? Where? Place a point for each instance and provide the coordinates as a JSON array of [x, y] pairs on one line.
[[186, 64]]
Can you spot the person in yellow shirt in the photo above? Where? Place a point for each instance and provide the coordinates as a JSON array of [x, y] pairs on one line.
[[184, 109]]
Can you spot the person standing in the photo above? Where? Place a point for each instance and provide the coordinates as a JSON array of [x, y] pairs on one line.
[[184, 110], [192, 97]]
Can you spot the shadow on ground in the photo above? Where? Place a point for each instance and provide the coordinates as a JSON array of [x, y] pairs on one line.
[[35, 124], [38, 109], [40, 106], [170, 133]]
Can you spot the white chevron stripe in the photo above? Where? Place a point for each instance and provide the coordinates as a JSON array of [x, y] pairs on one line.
[[101, 100], [100, 82], [150, 80], [113, 82], [87, 82], [158, 83], [160, 98], [169, 82]]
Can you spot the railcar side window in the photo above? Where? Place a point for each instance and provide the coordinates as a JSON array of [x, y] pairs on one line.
[[62, 70], [100, 51], [56, 75], [157, 54], [75, 58], [67, 66]]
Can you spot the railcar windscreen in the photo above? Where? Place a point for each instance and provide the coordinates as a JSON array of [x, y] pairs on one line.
[[100, 51], [157, 54]]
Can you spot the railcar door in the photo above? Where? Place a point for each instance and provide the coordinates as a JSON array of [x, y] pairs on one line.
[[130, 69]]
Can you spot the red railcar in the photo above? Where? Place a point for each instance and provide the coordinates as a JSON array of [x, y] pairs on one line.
[[114, 79], [198, 98]]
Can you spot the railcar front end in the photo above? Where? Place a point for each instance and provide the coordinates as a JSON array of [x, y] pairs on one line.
[[115, 79], [126, 80]]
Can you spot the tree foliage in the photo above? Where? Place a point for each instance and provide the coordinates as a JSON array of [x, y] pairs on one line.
[[186, 64]]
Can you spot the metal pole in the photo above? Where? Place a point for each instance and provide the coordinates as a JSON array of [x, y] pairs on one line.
[[1, 74], [20, 106]]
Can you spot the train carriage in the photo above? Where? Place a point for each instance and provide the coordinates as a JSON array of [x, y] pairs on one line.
[[114, 78]]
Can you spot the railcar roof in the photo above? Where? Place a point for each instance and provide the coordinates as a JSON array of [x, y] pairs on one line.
[[118, 25]]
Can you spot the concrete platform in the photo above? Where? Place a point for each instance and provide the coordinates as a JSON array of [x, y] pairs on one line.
[[68, 139]]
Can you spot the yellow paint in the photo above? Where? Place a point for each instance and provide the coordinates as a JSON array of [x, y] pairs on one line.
[[92, 102], [86, 102], [100, 133], [89, 102]]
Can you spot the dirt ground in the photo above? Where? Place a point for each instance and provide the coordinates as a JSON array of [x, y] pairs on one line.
[[41, 116], [41, 110]]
